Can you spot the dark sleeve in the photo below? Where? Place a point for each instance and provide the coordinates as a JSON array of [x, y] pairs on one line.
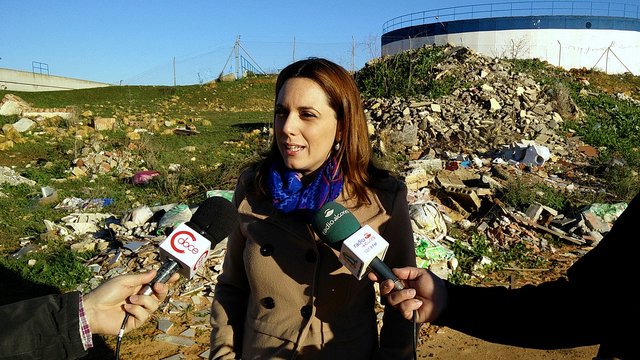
[[396, 332], [591, 306], [46, 327]]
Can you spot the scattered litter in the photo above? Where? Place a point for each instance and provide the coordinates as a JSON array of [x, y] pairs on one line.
[[144, 177], [134, 246], [187, 130], [429, 220], [75, 203], [175, 216], [227, 194], [527, 152], [431, 252], [24, 251], [10, 177], [607, 212]]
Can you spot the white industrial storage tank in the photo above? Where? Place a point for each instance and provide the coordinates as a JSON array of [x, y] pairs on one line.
[[572, 34]]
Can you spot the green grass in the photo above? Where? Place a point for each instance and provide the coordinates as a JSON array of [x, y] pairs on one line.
[[407, 74], [60, 267], [520, 194]]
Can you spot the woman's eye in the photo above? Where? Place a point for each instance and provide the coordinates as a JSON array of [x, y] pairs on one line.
[[306, 115]]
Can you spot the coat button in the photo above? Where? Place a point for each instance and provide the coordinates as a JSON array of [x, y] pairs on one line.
[[311, 256], [305, 311], [266, 250], [268, 303]]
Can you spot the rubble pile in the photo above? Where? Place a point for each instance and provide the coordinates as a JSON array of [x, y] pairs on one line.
[[93, 160], [504, 107], [464, 147]]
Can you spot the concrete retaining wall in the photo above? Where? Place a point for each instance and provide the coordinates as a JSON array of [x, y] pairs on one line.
[[16, 80]]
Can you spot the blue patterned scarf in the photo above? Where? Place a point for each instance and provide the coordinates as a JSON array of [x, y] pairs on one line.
[[289, 194]]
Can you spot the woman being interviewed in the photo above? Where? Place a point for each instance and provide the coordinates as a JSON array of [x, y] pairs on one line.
[[282, 293]]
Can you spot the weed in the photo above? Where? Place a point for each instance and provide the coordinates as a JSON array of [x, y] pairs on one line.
[[560, 96], [520, 193], [208, 160], [225, 112], [471, 251], [8, 119], [529, 66], [60, 267], [58, 169], [519, 255]]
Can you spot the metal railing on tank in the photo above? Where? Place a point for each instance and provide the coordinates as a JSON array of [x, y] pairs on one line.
[[514, 9]]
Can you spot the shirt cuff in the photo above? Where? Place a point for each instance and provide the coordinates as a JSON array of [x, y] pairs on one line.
[[85, 330]]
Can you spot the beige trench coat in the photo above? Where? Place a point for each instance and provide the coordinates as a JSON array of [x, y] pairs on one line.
[[283, 294]]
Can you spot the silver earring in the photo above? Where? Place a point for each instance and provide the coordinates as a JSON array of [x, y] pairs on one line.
[[337, 146]]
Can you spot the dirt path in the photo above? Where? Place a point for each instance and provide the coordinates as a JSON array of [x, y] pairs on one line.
[[445, 344], [448, 344]]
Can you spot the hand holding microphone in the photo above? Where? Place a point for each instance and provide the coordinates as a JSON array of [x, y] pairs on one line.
[[426, 293], [361, 248], [107, 304]]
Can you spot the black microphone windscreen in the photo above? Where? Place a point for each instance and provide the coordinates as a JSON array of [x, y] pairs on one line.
[[217, 217]]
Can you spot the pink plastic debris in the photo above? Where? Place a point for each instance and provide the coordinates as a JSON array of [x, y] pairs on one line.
[[143, 177]]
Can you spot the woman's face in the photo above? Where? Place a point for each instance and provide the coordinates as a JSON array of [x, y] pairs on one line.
[[305, 125]]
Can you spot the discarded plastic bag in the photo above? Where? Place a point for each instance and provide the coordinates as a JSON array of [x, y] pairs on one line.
[[227, 194], [143, 177], [607, 212], [430, 251], [429, 219], [175, 216]]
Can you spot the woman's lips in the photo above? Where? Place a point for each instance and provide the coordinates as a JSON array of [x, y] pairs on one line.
[[293, 149]]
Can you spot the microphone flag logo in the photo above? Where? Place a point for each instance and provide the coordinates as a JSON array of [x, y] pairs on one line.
[[183, 238], [328, 212]]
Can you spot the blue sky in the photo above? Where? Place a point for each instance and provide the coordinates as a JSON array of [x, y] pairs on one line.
[[134, 42]]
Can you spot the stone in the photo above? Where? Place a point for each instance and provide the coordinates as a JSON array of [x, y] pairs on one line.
[[175, 340], [174, 357], [190, 333], [24, 125], [164, 325], [104, 124]]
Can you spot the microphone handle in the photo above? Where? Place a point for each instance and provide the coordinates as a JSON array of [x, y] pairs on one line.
[[168, 268], [383, 272]]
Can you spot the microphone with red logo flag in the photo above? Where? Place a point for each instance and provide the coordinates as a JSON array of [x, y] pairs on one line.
[[361, 248], [185, 250]]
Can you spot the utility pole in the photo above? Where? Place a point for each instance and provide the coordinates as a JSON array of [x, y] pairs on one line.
[[174, 71], [353, 54], [236, 49], [293, 58]]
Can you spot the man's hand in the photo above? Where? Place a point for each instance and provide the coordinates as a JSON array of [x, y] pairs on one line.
[[424, 292], [105, 306]]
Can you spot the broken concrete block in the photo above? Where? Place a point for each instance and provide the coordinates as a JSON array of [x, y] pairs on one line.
[[534, 211], [24, 124], [102, 124]]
